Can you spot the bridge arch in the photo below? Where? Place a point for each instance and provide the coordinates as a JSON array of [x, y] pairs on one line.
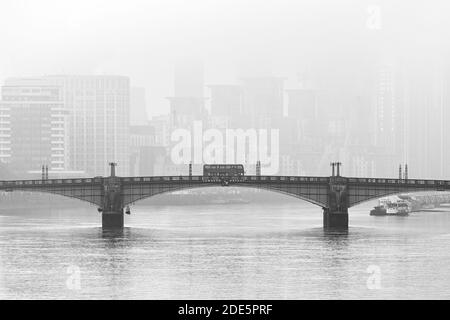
[[91, 196], [132, 199], [389, 193], [58, 195], [290, 194]]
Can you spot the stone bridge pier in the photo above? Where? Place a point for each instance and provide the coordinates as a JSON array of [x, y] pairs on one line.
[[335, 215], [112, 210]]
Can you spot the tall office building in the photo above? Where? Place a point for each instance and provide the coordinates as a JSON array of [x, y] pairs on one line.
[[302, 104], [444, 168], [226, 107], [427, 109], [98, 122], [388, 122], [189, 78], [95, 128], [184, 110], [32, 126], [226, 100], [141, 139], [263, 97], [188, 102], [302, 110], [138, 107]]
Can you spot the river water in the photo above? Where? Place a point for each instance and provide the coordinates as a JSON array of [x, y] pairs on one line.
[[239, 251]]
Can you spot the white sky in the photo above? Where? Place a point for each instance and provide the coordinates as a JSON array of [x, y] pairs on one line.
[[143, 39]]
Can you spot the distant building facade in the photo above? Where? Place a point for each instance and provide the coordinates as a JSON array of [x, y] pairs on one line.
[[138, 107], [98, 122], [83, 121], [188, 102], [263, 97], [32, 126]]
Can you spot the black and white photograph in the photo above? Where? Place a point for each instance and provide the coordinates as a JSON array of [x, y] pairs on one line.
[[209, 151]]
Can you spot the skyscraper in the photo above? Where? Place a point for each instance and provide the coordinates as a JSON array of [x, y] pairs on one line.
[[263, 97], [302, 104], [138, 107], [189, 78], [426, 106], [188, 102], [32, 126], [226, 100], [388, 124], [89, 124], [226, 106], [98, 121]]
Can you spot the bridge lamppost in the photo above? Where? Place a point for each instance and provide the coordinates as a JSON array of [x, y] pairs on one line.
[[338, 165], [113, 168], [406, 171], [332, 164], [258, 168]]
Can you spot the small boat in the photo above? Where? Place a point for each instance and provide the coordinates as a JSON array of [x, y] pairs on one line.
[[398, 208], [379, 210], [391, 207]]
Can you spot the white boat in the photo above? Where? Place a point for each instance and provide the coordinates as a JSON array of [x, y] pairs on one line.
[[398, 208]]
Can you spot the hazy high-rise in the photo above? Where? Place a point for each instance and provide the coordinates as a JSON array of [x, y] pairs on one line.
[[32, 126], [98, 122], [138, 107], [86, 119], [188, 102]]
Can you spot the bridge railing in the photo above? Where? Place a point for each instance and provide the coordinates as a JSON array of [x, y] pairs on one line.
[[161, 178], [246, 178], [31, 183], [250, 178], [388, 181]]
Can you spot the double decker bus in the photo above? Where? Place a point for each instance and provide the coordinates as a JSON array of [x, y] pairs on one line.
[[223, 172]]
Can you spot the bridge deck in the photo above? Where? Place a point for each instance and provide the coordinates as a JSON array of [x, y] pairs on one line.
[[287, 179], [334, 194]]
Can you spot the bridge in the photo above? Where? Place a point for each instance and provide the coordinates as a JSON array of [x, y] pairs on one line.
[[334, 194]]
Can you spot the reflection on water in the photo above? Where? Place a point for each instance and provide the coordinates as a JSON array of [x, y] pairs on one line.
[[246, 251]]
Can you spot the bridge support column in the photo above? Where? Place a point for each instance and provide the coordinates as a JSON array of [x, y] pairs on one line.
[[112, 219], [335, 219], [112, 214], [335, 215]]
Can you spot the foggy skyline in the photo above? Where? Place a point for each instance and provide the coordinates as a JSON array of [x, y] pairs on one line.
[[224, 149], [329, 43]]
